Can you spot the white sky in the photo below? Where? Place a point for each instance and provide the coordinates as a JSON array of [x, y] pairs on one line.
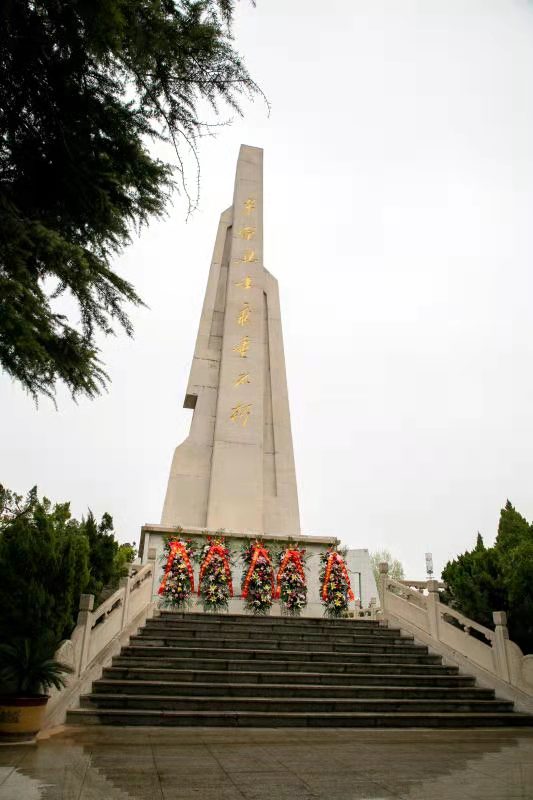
[[399, 194]]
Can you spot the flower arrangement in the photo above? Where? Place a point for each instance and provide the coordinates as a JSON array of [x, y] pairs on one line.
[[291, 586], [178, 581], [336, 590], [215, 586], [258, 579]]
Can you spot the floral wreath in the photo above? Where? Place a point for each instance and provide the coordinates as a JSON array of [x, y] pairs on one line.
[[291, 586], [258, 588], [178, 580], [215, 584], [336, 590]]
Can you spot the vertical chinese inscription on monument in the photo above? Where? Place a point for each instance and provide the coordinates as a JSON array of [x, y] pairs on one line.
[[244, 315], [243, 347], [241, 379], [247, 233], [246, 283], [249, 205], [248, 257], [241, 412]]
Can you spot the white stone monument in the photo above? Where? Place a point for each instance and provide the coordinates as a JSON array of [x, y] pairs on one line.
[[235, 471]]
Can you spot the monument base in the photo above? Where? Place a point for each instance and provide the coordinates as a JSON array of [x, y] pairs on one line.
[[360, 571]]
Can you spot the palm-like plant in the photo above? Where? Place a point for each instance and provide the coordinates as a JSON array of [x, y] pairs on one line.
[[28, 667]]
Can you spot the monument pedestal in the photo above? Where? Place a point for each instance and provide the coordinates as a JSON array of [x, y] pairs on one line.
[[358, 562]]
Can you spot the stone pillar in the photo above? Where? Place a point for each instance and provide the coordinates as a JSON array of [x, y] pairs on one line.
[[85, 618], [432, 602], [125, 583], [499, 647], [382, 583], [152, 556]]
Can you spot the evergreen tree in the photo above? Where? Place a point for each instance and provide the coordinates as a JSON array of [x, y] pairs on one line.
[[515, 543], [47, 560], [43, 570], [108, 561], [513, 529], [498, 578], [86, 87], [102, 552], [475, 585]]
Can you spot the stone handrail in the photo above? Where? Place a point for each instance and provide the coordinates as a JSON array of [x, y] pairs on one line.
[[464, 623], [488, 654], [409, 593], [97, 634]]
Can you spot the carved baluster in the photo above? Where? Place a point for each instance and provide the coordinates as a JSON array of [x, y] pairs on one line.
[[432, 606], [499, 647], [383, 581]]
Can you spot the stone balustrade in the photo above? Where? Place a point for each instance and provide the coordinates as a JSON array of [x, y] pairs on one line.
[[99, 634], [490, 655]]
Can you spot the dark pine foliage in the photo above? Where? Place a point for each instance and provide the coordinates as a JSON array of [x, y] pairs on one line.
[[47, 560], [86, 87], [498, 578]]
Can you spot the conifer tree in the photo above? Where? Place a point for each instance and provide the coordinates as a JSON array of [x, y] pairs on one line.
[[86, 88], [513, 528], [43, 571], [498, 578]]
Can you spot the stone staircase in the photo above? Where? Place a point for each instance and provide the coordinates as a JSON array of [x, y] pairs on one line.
[[185, 669]]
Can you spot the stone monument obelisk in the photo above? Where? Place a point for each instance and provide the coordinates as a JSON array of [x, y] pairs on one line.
[[236, 470]]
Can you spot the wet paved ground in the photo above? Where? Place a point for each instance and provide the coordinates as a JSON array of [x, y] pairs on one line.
[[227, 764]]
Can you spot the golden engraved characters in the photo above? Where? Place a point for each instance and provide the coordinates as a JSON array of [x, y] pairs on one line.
[[244, 315], [248, 257], [241, 412], [246, 283], [247, 233], [243, 347], [243, 378], [249, 205]]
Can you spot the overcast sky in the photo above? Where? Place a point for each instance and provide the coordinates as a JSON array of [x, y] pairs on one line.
[[398, 221]]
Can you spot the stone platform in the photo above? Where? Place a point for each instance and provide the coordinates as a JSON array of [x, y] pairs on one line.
[[358, 563], [207, 764]]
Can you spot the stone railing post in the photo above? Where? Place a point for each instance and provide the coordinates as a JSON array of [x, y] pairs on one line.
[[152, 556], [85, 619], [501, 635], [433, 601], [125, 583], [382, 583]]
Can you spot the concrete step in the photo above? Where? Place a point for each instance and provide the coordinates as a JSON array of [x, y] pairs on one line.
[[291, 720], [255, 622], [411, 656], [279, 630], [447, 679], [382, 636], [191, 669], [130, 659], [321, 705], [297, 690], [149, 639]]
